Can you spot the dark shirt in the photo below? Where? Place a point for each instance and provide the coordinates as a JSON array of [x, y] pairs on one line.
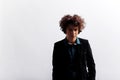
[[72, 47], [72, 51]]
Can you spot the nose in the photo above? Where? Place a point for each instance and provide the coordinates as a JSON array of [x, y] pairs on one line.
[[73, 32]]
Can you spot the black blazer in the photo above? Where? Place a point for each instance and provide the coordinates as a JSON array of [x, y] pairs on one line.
[[84, 62]]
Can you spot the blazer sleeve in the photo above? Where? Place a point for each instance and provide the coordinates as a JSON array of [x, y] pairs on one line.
[[55, 63], [90, 63]]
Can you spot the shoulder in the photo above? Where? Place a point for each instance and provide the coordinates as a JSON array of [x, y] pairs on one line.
[[83, 40], [60, 42]]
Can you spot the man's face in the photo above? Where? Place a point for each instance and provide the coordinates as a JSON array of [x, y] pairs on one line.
[[72, 31]]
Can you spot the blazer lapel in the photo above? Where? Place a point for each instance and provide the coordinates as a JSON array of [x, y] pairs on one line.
[[80, 51], [65, 48]]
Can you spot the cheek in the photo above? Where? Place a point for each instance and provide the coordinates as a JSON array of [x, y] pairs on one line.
[[67, 33], [76, 32]]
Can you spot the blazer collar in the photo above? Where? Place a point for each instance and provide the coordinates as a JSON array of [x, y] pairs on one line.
[[76, 42]]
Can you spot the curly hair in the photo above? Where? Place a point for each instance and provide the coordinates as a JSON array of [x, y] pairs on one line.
[[74, 20]]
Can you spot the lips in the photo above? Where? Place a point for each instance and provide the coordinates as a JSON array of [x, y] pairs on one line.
[[72, 36]]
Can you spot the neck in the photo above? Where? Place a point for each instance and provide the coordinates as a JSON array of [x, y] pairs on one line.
[[71, 40]]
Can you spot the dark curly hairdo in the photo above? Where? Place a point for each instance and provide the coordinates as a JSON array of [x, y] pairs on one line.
[[74, 20]]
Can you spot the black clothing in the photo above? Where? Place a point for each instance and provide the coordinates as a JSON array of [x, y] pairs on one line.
[[80, 67]]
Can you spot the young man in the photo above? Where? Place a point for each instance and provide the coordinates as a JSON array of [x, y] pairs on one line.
[[72, 56]]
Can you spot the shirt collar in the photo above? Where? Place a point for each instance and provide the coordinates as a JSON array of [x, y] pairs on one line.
[[76, 42]]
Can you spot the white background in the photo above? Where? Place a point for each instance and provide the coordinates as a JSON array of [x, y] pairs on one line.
[[29, 28]]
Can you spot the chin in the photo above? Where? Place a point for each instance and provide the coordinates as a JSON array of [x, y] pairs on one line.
[[73, 37]]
